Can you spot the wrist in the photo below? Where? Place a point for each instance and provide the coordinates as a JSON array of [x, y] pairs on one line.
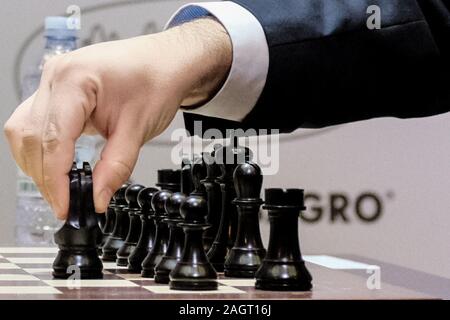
[[206, 55]]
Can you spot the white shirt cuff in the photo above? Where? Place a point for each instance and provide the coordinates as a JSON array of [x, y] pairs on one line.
[[250, 64]]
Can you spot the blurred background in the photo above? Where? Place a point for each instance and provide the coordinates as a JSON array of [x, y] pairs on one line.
[[378, 188]]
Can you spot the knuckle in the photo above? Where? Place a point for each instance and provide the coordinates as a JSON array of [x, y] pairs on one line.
[[71, 70], [62, 67], [50, 66], [10, 129], [30, 138], [121, 169], [59, 67], [50, 146], [50, 139]]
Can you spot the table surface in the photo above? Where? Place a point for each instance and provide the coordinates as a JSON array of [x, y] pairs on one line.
[[25, 273]]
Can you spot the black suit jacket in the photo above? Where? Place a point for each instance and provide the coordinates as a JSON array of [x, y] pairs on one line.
[[326, 67]]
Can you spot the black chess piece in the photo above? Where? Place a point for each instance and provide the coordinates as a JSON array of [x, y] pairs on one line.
[[148, 230], [79, 236], [169, 179], [187, 186], [162, 234], [228, 158], [245, 257], [176, 238], [198, 173], [193, 271], [110, 220], [101, 220], [134, 230], [214, 197], [283, 267], [121, 225]]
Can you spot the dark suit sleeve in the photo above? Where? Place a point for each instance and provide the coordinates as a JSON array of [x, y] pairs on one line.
[[327, 67]]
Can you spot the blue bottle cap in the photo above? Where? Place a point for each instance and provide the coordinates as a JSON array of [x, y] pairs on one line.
[[61, 27]]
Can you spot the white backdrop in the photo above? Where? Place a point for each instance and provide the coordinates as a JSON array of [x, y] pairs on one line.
[[403, 164]]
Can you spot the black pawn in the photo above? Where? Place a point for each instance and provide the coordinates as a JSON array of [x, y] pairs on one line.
[[162, 234], [101, 219], [110, 220], [79, 236], [134, 230], [245, 257], [198, 173], [148, 230], [186, 176], [176, 238], [214, 198], [121, 225], [169, 179], [283, 268], [228, 158], [193, 271]]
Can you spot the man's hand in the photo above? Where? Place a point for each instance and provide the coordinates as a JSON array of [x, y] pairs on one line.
[[128, 91]]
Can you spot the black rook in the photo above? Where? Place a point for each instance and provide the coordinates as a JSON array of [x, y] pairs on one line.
[[283, 267]]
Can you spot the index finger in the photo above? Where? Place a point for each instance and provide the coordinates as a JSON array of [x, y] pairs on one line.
[[69, 108]]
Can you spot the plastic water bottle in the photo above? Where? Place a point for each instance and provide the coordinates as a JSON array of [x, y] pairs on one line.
[[35, 222]]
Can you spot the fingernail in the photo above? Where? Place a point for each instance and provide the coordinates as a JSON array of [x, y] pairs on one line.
[[60, 215]]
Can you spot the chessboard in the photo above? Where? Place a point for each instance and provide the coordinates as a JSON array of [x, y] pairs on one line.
[[26, 273]]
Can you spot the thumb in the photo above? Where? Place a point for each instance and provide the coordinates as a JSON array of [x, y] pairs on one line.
[[115, 166]]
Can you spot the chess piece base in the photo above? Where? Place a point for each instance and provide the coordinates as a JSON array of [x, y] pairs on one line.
[[123, 253], [147, 273], [291, 276], [243, 263], [110, 248], [162, 277], [186, 276], [282, 285], [122, 262], [240, 273], [88, 262], [193, 285], [135, 259], [149, 264], [164, 268]]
